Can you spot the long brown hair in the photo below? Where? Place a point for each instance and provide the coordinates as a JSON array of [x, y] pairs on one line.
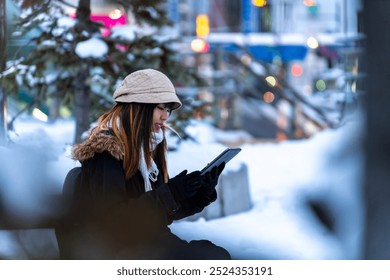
[[132, 125]]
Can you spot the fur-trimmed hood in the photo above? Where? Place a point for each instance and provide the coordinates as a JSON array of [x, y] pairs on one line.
[[98, 143]]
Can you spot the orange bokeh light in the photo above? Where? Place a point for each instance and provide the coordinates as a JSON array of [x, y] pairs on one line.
[[268, 97], [296, 70]]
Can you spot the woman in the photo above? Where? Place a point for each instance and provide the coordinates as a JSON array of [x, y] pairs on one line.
[[121, 200]]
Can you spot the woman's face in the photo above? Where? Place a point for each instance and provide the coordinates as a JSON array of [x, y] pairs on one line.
[[160, 115]]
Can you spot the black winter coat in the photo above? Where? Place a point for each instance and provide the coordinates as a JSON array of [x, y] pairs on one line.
[[110, 217]]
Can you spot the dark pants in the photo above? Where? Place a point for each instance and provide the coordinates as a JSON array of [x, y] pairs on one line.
[[198, 250]]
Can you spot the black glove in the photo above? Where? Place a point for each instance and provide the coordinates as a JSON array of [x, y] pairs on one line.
[[185, 185], [195, 204], [202, 199], [210, 179]]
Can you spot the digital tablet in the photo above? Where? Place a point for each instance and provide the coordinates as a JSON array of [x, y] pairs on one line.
[[225, 156]]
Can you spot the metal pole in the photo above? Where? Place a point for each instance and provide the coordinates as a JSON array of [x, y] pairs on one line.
[[246, 17], [345, 17], [3, 97]]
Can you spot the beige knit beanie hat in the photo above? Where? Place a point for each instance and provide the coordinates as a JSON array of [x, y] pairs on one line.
[[147, 86]]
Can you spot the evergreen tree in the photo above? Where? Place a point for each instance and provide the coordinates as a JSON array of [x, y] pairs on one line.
[[57, 70]]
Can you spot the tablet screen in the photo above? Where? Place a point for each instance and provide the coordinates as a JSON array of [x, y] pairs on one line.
[[225, 156]]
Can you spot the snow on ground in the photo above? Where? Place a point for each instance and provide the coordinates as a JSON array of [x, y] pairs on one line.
[[283, 178]]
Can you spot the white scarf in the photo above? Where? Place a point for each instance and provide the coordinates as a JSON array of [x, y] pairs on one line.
[[150, 174]]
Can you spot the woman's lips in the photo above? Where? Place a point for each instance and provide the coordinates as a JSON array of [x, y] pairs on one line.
[[158, 126]]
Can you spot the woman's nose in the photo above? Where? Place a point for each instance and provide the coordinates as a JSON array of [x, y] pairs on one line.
[[165, 115]]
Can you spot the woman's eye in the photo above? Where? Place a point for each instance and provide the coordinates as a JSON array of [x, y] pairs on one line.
[[163, 108]]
